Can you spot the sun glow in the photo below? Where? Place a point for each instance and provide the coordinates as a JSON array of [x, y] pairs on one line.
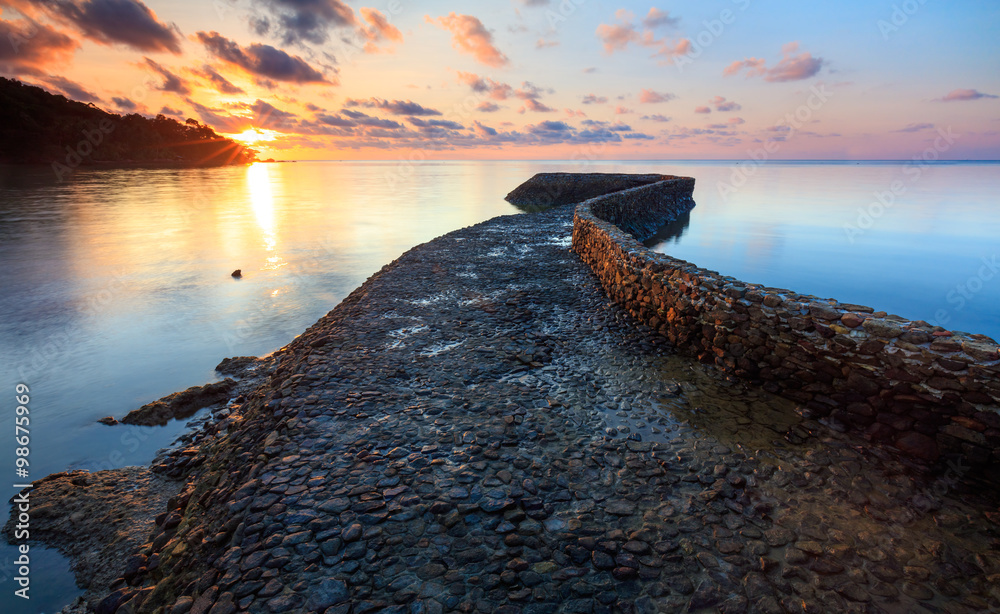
[[255, 135]]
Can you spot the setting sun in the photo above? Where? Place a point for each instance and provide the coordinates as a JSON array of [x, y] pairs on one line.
[[255, 135]]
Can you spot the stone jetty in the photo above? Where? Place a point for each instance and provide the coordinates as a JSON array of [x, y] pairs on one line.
[[478, 428]]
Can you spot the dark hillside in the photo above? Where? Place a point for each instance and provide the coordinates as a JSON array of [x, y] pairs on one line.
[[37, 127]]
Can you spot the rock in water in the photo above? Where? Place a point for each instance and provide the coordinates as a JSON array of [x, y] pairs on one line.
[[235, 364], [109, 420], [238, 273], [180, 404]]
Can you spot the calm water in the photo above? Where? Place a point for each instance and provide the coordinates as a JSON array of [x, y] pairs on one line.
[[931, 253], [117, 288]]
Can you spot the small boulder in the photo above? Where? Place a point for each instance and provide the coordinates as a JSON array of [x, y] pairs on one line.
[[238, 273], [109, 420]]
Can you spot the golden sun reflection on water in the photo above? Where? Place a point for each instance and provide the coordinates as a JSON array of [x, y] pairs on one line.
[[260, 184]]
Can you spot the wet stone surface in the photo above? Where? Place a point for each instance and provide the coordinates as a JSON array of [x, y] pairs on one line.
[[477, 429]]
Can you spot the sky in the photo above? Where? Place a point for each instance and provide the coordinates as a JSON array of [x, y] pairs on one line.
[[534, 79]]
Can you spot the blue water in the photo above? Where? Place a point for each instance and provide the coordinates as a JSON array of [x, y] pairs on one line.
[[919, 242], [117, 286]]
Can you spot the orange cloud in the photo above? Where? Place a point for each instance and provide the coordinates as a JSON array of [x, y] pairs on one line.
[[27, 47], [469, 35], [378, 29]]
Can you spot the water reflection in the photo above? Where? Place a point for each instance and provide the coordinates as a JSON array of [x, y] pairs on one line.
[[670, 232]]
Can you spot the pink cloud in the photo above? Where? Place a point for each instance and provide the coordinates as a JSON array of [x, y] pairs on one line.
[[495, 89], [652, 97], [620, 110], [702, 110], [965, 94], [618, 36], [723, 105], [469, 35], [794, 66]]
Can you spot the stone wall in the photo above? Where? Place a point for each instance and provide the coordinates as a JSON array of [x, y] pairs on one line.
[[927, 391], [554, 189]]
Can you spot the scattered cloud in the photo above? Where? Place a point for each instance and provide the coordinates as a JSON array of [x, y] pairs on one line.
[[124, 103], [652, 97], [620, 110], [171, 82], [261, 60], [469, 35], [72, 89], [656, 118], [531, 95], [396, 107], [915, 128], [217, 81], [495, 89], [299, 21], [965, 94], [27, 47], [110, 22], [487, 107], [537, 106], [378, 29], [171, 111], [702, 109], [794, 66], [594, 99], [543, 44], [484, 131], [618, 36], [656, 18], [724, 106]]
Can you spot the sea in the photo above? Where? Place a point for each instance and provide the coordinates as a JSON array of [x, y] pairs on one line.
[[117, 285]]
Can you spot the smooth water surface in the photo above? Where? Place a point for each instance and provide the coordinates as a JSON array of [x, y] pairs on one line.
[[919, 242], [117, 287]]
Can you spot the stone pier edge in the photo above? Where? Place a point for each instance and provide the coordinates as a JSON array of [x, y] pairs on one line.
[[929, 392]]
